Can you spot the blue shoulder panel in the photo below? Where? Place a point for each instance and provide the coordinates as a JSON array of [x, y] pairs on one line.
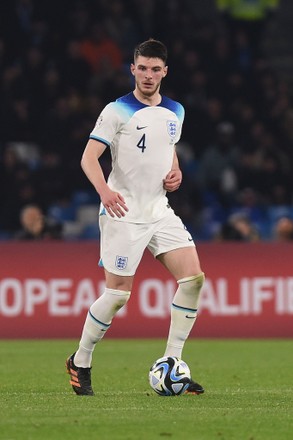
[[174, 106], [129, 104]]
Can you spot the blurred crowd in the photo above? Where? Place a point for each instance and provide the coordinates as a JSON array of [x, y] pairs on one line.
[[62, 62]]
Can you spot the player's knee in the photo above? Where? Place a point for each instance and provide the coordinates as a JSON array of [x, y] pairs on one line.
[[192, 285], [118, 297]]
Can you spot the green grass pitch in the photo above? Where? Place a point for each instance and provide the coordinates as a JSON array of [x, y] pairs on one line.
[[249, 392]]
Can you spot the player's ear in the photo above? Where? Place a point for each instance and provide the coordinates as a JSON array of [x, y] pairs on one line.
[[165, 71], [132, 68]]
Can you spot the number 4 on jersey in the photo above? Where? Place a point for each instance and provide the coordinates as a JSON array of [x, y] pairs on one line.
[[141, 144]]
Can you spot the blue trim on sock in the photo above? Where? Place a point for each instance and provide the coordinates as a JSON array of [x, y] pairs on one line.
[[184, 309], [99, 322]]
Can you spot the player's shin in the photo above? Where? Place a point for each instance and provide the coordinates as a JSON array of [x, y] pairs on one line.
[[183, 313], [97, 322]]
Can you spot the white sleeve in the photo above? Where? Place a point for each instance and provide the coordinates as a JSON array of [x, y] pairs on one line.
[[107, 125]]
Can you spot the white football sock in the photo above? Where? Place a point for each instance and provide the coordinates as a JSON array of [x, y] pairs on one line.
[[183, 313], [97, 322]]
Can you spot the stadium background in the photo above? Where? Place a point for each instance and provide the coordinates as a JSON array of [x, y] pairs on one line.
[[61, 65]]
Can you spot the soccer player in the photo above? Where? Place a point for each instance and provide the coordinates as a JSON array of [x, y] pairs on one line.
[[141, 129]]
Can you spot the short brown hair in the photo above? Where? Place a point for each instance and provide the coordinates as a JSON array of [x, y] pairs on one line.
[[151, 49]]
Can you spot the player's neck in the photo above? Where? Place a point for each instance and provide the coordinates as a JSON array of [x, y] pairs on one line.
[[152, 100]]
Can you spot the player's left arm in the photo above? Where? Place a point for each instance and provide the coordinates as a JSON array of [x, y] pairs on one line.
[[174, 178]]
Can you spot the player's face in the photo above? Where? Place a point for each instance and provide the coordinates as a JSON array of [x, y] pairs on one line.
[[148, 73]]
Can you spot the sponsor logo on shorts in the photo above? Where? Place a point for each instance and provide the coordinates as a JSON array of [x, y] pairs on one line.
[[121, 262], [188, 238]]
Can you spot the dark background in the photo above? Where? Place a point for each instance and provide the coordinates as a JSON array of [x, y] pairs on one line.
[[62, 61]]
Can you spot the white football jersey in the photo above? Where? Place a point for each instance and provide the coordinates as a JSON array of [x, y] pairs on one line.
[[142, 139]]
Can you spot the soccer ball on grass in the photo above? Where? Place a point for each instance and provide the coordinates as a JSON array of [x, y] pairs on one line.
[[169, 376]]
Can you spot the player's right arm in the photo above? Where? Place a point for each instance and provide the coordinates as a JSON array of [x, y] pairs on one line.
[[112, 201]]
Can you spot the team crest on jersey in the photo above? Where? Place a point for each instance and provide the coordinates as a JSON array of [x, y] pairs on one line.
[[121, 262], [172, 127]]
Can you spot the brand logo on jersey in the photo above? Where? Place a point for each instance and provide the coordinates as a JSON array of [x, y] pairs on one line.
[[121, 262], [172, 128], [141, 128]]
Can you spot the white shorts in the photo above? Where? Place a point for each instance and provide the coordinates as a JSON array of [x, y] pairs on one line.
[[123, 244]]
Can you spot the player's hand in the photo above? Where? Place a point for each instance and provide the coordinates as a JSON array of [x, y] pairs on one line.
[[114, 203], [173, 180]]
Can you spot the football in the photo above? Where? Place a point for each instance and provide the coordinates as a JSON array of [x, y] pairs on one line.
[[169, 376]]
